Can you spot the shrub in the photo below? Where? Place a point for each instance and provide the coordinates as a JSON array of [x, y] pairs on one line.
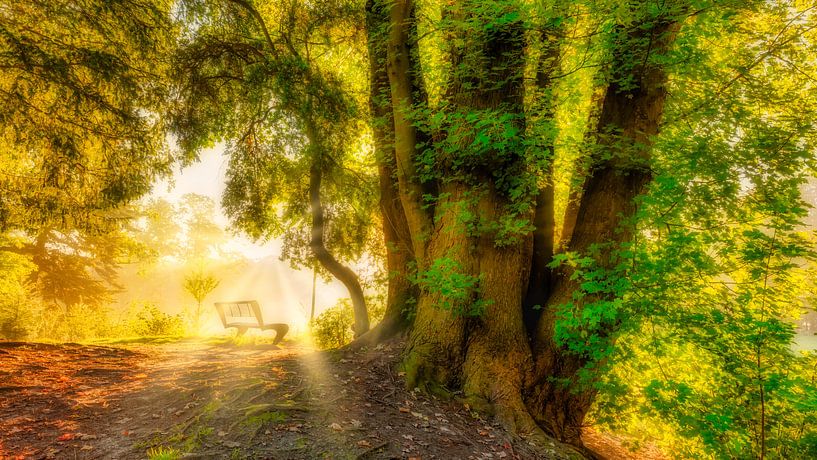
[[148, 320], [16, 317], [18, 301], [333, 327]]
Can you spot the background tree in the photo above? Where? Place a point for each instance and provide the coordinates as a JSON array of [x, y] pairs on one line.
[[82, 134], [199, 285], [277, 96]]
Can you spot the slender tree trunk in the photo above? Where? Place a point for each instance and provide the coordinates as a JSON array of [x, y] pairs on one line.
[[314, 285], [630, 117], [396, 235], [544, 220], [401, 69], [341, 272], [580, 170]]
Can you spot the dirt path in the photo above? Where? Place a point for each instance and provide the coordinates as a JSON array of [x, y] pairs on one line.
[[203, 400]]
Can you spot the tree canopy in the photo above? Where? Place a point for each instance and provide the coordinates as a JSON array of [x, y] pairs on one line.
[[82, 124]]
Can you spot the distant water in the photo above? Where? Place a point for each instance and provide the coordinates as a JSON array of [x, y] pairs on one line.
[[805, 341]]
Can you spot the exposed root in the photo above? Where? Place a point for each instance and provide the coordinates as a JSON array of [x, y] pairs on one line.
[[385, 330]]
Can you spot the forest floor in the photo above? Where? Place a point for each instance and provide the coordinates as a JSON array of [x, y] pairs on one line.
[[216, 399]]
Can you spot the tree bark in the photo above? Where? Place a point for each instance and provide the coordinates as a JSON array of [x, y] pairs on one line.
[[485, 354], [488, 356], [580, 170], [397, 239], [544, 220], [629, 119], [401, 84]]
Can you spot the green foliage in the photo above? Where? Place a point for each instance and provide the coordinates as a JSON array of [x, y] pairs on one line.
[[75, 323], [200, 285], [691, 324], [333, 327], [202, 236], [458, 291], [186, 232], [687, 327], [80, 127], [282, 94], [597, 305]]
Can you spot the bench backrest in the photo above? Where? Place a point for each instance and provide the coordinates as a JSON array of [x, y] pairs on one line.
[[241, 313]]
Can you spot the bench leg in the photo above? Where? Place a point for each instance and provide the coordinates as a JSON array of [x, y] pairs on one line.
[[280, 331], [241, 331]]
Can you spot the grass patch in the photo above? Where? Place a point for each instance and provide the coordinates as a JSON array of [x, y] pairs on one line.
[[163, 453], [197, 437], [265, 417]]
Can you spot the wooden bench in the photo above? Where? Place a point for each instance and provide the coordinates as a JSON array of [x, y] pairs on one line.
[[246, 314]]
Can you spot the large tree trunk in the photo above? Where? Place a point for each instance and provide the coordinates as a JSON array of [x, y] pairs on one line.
[[488, 355], [498, 357], [484, 353], [630, 117]]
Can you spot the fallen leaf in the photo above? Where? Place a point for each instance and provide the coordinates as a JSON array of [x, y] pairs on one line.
[[364, 443], [405, 410], [336, 427], [66, 437]]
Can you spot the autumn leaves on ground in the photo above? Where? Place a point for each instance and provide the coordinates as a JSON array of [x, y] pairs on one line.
[[215, 399]]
